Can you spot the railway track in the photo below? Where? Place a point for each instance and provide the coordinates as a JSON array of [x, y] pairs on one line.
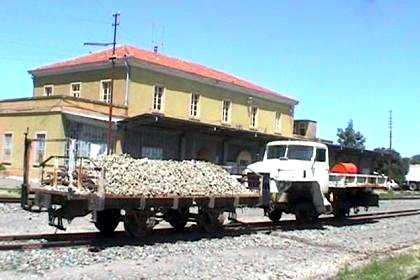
[[9, 199], [17, 199], [96, 240]]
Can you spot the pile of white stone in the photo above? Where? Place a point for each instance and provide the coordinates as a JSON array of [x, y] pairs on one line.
[[126, 176]]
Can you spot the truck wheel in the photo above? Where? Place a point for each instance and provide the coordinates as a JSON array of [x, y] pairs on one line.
[[341, 213], [177, 218], [306, 214], [412, 186], [107, 221], [138, 225], [275, 215], [211, 221]]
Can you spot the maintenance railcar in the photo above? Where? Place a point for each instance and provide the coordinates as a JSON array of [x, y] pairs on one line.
[[293, 178]]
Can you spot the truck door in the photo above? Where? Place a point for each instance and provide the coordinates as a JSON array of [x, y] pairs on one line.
[[320, 169]]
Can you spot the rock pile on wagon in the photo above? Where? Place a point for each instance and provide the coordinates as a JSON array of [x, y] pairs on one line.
[[126, 176]]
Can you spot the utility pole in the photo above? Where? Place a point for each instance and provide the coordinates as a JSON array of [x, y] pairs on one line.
[[390, 129], [111, 97]]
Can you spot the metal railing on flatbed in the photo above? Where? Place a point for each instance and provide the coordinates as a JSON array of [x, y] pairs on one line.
[[345, 180]]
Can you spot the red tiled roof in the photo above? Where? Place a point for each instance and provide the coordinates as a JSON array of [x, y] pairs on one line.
[[160, 60]]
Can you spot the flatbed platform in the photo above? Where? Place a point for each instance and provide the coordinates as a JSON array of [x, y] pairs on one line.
[[43, 195]]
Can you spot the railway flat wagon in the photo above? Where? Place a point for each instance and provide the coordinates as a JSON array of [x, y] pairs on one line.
[[139, 214]]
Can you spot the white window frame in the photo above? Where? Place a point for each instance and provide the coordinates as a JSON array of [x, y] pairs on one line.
[[277, 121], [229, 111], [197, 105], [52, 90], [78, 92], [9, 160], [162, 99], [254, 121], [36, 162], [101, 91]]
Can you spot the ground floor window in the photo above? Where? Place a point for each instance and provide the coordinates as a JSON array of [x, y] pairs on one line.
[[40, 147], [90, 139], [7, 147]]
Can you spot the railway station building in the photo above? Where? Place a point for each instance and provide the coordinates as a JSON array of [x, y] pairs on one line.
[[163, 108]]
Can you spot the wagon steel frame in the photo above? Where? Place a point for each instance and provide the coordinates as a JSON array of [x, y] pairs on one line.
[[62, 205]]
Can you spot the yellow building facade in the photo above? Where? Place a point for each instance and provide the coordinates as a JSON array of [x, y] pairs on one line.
[[162, 108]]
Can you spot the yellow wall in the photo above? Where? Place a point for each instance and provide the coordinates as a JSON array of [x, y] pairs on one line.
[[51, 124], [90, 84], [177, 100]]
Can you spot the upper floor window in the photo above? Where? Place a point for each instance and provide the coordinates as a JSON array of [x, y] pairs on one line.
[[302, 129], [40, 147], [195, 99], [277, 122], [106, 91], [226, 111], [158, 98], [254, 116], [48, 90], [75, 89], [7, 147]]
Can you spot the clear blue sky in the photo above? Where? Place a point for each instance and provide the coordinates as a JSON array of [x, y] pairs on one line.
[[341, 59]]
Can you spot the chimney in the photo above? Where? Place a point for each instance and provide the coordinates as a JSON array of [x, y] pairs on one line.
[[155, 49]]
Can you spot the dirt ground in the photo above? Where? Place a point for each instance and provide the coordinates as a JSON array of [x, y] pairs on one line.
[[304, 253]]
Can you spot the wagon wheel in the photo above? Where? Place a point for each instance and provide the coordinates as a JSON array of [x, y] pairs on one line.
[[274, 214], [306, 213], [211, 220], [177, 218], [107, 221], [138, 225]]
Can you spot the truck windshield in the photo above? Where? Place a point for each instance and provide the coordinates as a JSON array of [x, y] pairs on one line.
[[276, 151], [299, 152]]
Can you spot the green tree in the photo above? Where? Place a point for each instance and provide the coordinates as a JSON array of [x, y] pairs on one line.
[[350, 138], [390, 163]]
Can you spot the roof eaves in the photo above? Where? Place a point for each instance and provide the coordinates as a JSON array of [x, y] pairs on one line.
[[134, 61]]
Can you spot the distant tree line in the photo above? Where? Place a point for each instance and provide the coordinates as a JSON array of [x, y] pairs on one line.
[[388, 161]]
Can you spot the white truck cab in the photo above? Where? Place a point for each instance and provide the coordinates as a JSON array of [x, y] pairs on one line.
[[300, 182], [295, 161]]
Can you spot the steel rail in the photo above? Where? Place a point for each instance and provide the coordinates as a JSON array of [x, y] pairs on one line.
[[95, 238], [9, 199]]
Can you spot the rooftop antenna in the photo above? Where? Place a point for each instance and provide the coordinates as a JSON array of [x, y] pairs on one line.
[[156, 43], [112, 59], [390, 129]]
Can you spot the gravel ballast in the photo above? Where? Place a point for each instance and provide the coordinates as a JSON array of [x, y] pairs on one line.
[[127, 176], [304, 253]]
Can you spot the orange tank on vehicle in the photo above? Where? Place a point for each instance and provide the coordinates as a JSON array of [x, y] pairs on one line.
[[345, 168]]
